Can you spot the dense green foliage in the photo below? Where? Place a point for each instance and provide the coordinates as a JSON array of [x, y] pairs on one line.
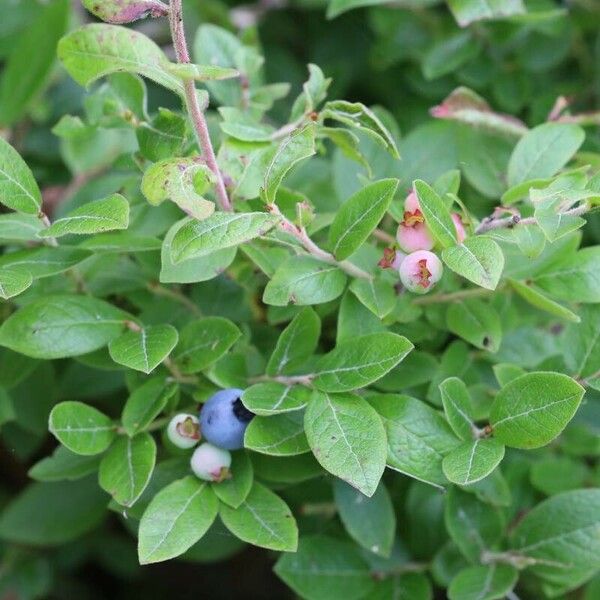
[[172, 225]]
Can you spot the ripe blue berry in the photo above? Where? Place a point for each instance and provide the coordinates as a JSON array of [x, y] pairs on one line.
[[211, 463], [184, 430], [223, 419]]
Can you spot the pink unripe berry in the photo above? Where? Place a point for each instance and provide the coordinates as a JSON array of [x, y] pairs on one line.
[[184, 430], [392, 259], [461, 234], [420, 271], [211, 463], [411, 204], [413, 233]]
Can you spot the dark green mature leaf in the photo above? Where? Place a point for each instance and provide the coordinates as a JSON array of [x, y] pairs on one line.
[[544, 151], [81, 428], [64, 465], [582, 343], [262, 519], [217, 232], [472, 460], [61, 326], [145, 403], [272, 398], [377, 295], [126, 468], [304, 280], [50, 514], [122, 241], [358, 362], [235, 490], [483, 582], [436, 213], [458, 407], [277, 435], [18, 189], [469, 11], [418, 437], [539, 300], [359, 215], [347, 438], [296, 343], [203, 341], [531, 410], [25, 72], [145, 349], [476, 322], [371, 522], [96, 50], [43, 261], [324, 568], [107, 214], [178, 516], [478, 259]]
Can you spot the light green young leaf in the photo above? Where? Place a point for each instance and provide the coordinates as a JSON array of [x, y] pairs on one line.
[[277, 435], [235, 490], [62, 326], [347, 438], [145, 349], [293, 149], [18, 189], [304, 280], [183, 181], [121, 242], [43, 261], [296, 344], [371, 522], [458, 407], [126, 468], [359, 215], [469, 11], [178, 516], [418, 437], [478, 259], [358, 362], [437, 216], [262, 519], [483, 582], [476, 322], [16, 227], [539, 300], [96, 50], [543, 151], [531, 410], [202, 72], [219, 231], [97, 216], [64, 465], [377, 295], [13, 282], [81, 428], [472, 460], [272, 398]]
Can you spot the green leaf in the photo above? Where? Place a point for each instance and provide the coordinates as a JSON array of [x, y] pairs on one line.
[[97, 50], [561, 534], [25, 72], [293, 149], [272, 398], [325, 568], [478, 259], [543, 151], [436, 213], [51, 514], [163, 137], [18, 189], [483, 582], [13, 282], [97, 216], [15, 227], [371, 522], [554, 475], [472, 461], [358, 362], [121, 242], [359, 216], [418, 437], [203, 72], [217, 232], [296, 344], [64, 465], [357, 116], [539, 300], [62, 326], [145, 403], [178, 516], [449, 53], [262, 519], [531, 410], [204, 341], [582, 343], [145, 349], [183, 181], [347, 438], [81, 428], [469, 11], [126, 468], [377, 295], [458, 407], [278, 435], [235, 490], [477, 322], [43, 261], [304, 280]]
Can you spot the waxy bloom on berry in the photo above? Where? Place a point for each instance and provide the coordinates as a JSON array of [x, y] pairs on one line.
[[420, 271], [184, 430], [413, 233], [211, 463]]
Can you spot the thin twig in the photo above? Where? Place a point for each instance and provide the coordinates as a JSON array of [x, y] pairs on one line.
[[193, 106], [384, 236]]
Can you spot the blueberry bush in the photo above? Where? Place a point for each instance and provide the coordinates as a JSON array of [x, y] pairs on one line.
[[314, 284]]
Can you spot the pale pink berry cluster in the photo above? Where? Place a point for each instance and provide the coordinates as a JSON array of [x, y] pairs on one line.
[[419, 268]]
